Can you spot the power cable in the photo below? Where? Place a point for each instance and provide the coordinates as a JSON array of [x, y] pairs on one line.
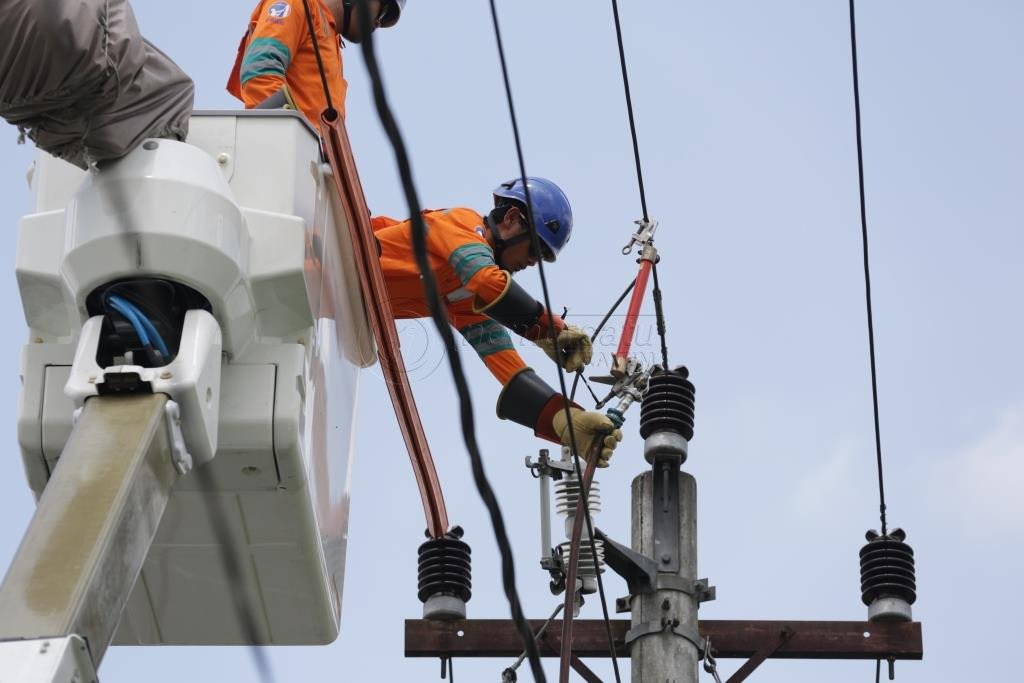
[[557, 347], [867, 265], [659, 313], [597, 331], [419, 229], [629, 109]]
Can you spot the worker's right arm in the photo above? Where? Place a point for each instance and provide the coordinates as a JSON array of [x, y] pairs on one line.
[[273, 41]]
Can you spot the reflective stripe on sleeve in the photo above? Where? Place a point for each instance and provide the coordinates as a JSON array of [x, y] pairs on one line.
[[469, 259], [264, 57], [487, 337]]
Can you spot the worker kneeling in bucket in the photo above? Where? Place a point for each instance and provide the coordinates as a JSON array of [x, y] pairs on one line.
[[473, 258]]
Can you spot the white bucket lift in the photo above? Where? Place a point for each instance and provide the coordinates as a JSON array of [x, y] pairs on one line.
[[243, 217]]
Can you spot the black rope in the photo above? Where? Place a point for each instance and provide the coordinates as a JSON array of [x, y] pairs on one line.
[[419, 230], [236, 581], [629, 108], [597, 331], [319, 60], [554, 338], [867, 267]]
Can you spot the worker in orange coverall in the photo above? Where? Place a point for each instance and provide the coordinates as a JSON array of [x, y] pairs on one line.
[[473, 258], [277, 63]]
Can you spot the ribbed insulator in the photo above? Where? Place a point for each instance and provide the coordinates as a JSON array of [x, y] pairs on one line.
[[567, 494], [887, 568], [668, 404], [444, 568], [586, 566]]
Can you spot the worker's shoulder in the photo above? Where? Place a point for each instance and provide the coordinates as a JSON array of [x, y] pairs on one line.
[[458, 216], [458, 223]]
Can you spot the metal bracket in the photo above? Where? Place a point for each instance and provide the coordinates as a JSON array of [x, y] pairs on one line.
[[180, 456], [643, 235], [764, 653], [665, 515], [666, 625], [642, 575]]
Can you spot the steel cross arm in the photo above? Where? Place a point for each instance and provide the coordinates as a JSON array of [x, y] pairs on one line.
[[730, 639]]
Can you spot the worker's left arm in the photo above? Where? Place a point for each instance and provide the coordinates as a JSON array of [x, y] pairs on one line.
[[496, 295], [273, 41]]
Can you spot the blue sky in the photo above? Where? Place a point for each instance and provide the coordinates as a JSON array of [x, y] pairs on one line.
[[745, 117]]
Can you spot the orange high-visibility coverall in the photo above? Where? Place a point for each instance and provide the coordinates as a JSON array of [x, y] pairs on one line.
[[277, 53], [468, 279]]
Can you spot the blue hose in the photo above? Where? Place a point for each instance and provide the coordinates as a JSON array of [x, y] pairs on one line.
[[142, 325]]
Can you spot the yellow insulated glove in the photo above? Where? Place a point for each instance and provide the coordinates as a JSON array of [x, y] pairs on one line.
[[590, 427], [575, 345]]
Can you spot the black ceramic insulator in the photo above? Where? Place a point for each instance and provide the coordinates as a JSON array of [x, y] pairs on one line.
[[887, 568], [444, 567], [668, 405]]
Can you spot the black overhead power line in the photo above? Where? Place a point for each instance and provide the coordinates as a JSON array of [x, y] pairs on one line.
[[554, 341], [658, 310], [867, 265], [419, 229], [629, 109]]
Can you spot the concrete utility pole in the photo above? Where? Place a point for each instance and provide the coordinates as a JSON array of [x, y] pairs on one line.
[[665, 644], [664, 593], [663, 637]]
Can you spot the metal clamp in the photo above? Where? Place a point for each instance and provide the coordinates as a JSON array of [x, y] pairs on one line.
[[710, 664], [666, 625], [642, 575], [180, 456], [643, 235]]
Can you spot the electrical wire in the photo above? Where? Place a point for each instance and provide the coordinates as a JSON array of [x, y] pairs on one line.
[[390, 126], [218, 519], [629, 109], [659, 313], [597, 331], [566, 643], [141, 322], [867, 265], [122, 307]]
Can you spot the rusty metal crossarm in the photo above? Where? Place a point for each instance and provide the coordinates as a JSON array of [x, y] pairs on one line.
[[731, 639]]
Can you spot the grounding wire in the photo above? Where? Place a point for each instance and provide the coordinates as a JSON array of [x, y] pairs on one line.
[[554, 341], [867, 266], [419, 229], [639, 173], [597, 331]]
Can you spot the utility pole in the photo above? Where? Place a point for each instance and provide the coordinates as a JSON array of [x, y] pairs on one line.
[[665, 640], [661, 567]]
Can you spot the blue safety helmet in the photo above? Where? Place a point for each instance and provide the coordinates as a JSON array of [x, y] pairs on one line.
[[552, 214]]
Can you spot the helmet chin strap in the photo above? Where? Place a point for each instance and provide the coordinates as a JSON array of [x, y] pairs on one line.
[[501, 244], [346, 17]]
